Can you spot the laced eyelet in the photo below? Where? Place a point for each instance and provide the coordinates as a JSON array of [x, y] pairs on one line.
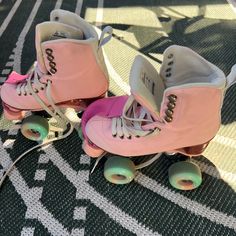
[[170, 56], [121, 137], [130, 137], [168, 119], [114, 135], [170, 63], [153, 130]]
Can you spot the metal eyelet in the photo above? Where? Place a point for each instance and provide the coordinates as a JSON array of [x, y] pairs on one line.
[[173, 95], [172, 98], [169, 112], [53, 70], [56, 18], [50, 58], [52, 64], [49, 51], [168, 119], [171, 105], [170, 56]]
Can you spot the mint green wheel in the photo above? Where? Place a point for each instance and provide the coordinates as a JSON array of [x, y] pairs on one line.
[[185, 175], [35, 128], [80, 133], [119, 170]]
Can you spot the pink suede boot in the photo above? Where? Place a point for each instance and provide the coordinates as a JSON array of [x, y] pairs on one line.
[[178, 111], [70, 69]]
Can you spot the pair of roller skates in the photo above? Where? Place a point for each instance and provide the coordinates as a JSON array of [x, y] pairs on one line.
[[177, 111]]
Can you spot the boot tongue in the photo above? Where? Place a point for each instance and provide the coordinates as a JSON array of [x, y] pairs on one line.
[[147, 87], [49, 31]]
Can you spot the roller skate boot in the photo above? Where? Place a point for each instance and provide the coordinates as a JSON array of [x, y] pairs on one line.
[[178, 111], [69, 72]]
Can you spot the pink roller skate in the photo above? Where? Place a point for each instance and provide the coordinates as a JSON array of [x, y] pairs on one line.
[[69, 72], [176, 112]]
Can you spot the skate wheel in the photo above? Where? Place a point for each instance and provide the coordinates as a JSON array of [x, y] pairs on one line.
[[185, 175], [92, 151], [35, 128], [80, 133], [119, 170]]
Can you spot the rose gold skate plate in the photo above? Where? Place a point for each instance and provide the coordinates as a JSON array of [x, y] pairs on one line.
[[12, 113]]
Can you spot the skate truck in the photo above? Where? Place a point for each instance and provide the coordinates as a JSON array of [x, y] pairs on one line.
[[178, 111]]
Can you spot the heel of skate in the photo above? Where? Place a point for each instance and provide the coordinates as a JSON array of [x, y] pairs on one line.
[[92, 150], [13, 114], [195, 150]]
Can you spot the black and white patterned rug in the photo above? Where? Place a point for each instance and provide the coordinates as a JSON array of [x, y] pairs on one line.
[[51, 191]]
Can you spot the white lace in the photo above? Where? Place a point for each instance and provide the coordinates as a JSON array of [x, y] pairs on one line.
[[131, 122], [31, 86], [34, 78]]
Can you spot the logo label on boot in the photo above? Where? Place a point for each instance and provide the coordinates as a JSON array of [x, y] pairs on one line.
[[150, 85], [59, 35]]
